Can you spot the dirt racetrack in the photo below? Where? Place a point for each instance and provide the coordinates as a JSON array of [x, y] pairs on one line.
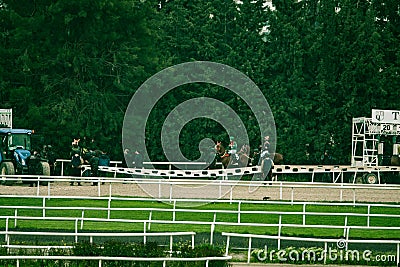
[[211, 191]]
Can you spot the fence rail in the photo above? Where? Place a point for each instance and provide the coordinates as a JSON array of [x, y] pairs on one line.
[[336, 172], [238, 210], [250, 238], [223, 188], [174, 211], [101, 259]]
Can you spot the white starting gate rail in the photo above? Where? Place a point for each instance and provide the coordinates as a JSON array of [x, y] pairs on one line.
[[182, 173], [336, 171]]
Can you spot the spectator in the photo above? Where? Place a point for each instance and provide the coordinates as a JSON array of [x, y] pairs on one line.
[[48, 153], [104, 160], [75, 148], [94, 165], [76, 165]]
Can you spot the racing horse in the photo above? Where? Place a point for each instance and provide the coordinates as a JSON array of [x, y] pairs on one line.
[[226, 160], [267, 164], [395, 160]]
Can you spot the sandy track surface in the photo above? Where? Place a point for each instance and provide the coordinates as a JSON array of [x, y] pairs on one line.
[[210, 191]]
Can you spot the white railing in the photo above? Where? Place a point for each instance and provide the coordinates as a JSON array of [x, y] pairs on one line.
[[238, 213], [102, 259], [336, 172], [175, 211], [79, 222], [307, 239], [8, 234], [116, 163], [225, 187]]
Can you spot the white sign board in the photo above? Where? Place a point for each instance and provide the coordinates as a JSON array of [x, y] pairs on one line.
[[386, 116], [6, 117]]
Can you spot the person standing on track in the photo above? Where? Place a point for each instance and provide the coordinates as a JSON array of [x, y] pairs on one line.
[[138, 159]]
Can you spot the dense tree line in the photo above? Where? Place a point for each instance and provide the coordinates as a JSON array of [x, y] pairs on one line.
[[69, 68]]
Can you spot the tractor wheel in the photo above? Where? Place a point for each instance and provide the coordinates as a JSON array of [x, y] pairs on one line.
[[45, 170], [370, 178], [6, 168]]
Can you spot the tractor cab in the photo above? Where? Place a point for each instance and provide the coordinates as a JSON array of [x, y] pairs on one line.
[[15, 147], [16, 156]]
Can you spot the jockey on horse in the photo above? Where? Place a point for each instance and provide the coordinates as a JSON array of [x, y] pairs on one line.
[[233, 150]]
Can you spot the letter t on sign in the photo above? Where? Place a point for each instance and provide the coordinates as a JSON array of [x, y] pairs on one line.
[[395, 115]]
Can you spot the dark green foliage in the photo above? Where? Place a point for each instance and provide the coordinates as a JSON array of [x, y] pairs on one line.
[[69, 68]]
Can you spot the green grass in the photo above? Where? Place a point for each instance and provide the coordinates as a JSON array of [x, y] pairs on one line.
[[207, 216]]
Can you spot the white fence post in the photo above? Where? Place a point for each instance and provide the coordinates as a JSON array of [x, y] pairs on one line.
[[15, 218], [213, 228], [249, 251], [144, 232], [341, 193], [38, 186], [292, 198], [174, 211], [44, 207], [6, 234], [109, 208], [170, 192], [82, 218], [76, 230], [150, 215], [279, 231], [238, 215], [228, 238], [231, 195]]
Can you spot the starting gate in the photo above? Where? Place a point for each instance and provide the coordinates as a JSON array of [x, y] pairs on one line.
[[369, 134]]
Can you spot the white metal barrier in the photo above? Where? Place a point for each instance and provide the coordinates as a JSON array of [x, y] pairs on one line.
[[307, 239], [225, 187], [116, 163], [7, 234], [102, 259], [336, 172], [239, 212]]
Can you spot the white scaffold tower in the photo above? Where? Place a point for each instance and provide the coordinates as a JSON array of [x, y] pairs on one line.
[[366, 136]]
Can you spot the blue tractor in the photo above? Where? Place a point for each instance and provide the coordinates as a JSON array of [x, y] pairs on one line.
[[16, 156]]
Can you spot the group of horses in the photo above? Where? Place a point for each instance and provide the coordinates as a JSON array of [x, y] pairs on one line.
[[245, 158]]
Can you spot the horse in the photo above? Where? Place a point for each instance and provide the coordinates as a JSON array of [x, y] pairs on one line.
[[267, 164], [395, 160], [225, 158]]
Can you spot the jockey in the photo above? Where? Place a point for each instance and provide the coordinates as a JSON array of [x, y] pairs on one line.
[[233, 148], [265, 148]]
